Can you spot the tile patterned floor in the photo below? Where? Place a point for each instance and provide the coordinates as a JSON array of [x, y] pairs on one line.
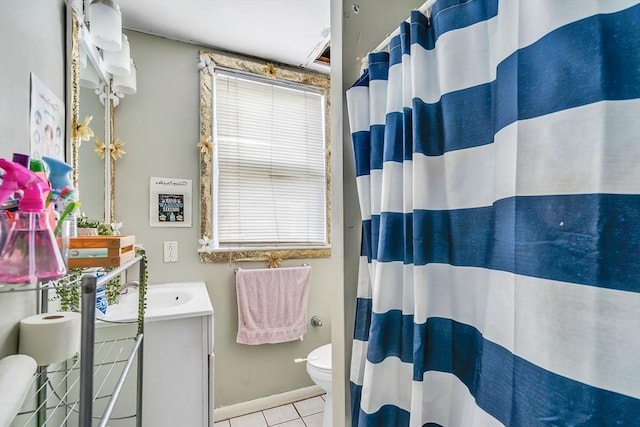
[[305, 413]]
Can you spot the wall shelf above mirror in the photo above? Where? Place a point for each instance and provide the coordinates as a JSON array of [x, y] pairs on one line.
[[101, 73]]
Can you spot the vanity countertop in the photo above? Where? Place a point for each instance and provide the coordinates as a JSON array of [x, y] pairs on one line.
[[164, 301]]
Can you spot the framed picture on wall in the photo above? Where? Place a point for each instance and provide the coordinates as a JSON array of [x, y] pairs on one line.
[[170, 202], [46, 126]]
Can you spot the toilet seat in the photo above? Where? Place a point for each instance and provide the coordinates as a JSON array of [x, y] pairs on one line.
[[319, 369], [320, 358]]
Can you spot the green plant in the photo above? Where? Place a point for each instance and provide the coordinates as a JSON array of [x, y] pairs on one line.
[[103, 229], [142, 289], [112, 290], [69, 297]]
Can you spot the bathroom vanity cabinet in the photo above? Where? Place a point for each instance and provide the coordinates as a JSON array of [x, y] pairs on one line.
[[176, 388], [178, 357]]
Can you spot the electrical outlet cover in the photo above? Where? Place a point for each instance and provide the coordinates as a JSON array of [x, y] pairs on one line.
[[170, 251]]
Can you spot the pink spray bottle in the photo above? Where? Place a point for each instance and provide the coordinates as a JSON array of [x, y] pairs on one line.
[[30, 252]]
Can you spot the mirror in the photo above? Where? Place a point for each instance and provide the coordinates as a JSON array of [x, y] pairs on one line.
[[91, 94], [91, 175]]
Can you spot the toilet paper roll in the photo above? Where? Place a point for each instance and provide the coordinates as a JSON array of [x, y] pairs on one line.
[[16, 374], [50, 337]]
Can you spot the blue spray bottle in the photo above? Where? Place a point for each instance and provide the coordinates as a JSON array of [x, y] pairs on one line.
[[60, 179], [30, 252]]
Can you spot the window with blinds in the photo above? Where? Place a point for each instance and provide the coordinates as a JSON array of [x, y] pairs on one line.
[[270, 183]]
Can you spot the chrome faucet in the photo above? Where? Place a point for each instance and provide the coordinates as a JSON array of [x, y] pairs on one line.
[[126, 286]]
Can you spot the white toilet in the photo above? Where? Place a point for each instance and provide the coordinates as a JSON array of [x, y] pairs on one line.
[[319, 369]]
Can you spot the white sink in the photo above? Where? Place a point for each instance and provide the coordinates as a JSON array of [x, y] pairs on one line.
[[164, 301], [160, 299]]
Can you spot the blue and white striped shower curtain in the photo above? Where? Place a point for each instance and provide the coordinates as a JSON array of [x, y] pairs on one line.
[[497, 150]]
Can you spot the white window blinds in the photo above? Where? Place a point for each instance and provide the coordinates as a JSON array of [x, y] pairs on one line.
[[270, 152]]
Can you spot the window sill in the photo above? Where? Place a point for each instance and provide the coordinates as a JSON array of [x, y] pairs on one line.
[[262, 254]]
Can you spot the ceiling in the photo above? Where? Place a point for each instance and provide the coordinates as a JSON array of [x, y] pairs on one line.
[[293, 32]]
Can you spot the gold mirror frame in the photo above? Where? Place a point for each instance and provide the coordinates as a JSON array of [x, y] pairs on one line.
[[74, 141], [207, 145], [74, 144]]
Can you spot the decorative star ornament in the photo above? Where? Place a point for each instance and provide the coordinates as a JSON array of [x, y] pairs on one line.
[[206, 146], [116, 148], [206, 244], [270, 71], [274, 261], [83, 132], [99, 147], [206, 64]]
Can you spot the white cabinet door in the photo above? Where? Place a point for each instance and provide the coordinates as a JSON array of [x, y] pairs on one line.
[[176, 372]]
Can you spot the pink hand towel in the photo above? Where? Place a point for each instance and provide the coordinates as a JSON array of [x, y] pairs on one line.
[[272, 304]]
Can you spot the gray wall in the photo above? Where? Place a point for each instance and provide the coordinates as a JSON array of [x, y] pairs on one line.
[[353, 35], [160, 127], [33, 40]]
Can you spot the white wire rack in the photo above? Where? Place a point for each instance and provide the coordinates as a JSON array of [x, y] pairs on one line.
[[83, 390]]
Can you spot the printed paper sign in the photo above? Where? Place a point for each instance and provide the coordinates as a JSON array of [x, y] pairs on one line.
[[170, 202]]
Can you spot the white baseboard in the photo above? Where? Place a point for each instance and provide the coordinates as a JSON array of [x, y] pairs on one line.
[[243, 408]]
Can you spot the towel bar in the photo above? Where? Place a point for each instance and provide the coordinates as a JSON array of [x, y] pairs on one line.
[[235, 270]]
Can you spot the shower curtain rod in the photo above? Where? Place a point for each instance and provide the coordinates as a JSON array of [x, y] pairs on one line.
[[425, 9]]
